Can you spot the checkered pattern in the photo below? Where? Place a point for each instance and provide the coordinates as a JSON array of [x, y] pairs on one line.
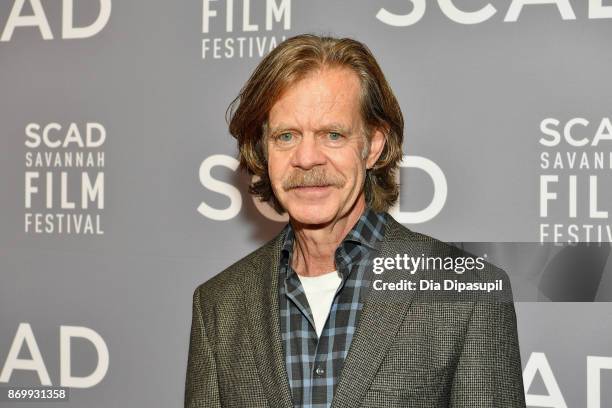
[[314, 364]]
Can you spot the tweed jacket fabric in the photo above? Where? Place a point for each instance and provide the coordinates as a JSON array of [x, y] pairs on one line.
[[410, 348]]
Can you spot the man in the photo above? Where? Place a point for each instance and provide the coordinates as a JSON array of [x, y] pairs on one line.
[[297, 322]]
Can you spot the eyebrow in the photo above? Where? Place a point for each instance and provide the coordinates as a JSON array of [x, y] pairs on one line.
[[328, 127]]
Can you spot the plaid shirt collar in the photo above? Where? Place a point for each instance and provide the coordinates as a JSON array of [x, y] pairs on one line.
[[367, 231]]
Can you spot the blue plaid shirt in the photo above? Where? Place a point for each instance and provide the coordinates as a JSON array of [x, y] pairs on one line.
[[314, 363]]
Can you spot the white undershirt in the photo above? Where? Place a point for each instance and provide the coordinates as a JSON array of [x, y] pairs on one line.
[[320, 291]]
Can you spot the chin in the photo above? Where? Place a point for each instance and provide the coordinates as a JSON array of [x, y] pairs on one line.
[[311, 214]]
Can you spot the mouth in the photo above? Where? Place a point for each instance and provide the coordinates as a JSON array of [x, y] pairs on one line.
[[312, 189], [315, 187]]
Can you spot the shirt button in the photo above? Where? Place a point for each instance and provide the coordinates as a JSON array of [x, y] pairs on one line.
[[319, 371]]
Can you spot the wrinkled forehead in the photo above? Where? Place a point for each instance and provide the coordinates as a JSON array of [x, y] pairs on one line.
[[328, 99]]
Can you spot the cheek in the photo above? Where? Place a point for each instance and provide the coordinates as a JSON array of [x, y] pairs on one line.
[[351, 157], [276, 169], [351, 165]]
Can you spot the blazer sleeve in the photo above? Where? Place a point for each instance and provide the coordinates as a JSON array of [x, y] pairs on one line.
[[201, 386], [488, 372]]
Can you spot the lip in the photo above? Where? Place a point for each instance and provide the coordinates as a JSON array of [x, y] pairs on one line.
[[318, 190]]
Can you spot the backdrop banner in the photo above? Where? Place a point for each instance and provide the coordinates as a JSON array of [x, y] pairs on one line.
[[120, 190]]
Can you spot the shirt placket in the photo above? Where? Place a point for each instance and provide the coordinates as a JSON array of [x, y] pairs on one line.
[[321, 367], [320, 360]]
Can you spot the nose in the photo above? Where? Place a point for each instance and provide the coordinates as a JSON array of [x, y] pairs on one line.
[[308, 153]]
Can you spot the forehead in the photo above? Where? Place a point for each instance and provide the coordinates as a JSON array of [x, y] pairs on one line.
[[329, 95]]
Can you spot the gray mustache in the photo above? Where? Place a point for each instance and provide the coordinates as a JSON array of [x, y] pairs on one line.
[[316, 177]]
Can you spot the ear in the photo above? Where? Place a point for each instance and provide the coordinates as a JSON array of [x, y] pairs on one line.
[[377, 144]]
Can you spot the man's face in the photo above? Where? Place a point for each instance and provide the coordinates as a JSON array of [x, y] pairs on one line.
[[315, 147]]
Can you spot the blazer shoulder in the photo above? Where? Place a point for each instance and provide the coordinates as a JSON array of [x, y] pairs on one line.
[[431, 246], [232, 278], [397, 233]]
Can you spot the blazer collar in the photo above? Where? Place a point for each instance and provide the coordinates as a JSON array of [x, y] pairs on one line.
[[383, 313]]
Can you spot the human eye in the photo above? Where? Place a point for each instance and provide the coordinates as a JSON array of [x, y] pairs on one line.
[[334, 136], [283, 138]]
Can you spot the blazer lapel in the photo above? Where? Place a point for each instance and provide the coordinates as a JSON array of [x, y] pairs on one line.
[[381, 317], [262, 314]]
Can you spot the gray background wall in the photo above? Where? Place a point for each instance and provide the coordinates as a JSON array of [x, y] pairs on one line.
[[473, 95]]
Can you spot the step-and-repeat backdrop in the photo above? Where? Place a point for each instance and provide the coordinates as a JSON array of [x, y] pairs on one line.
[[120, 193]]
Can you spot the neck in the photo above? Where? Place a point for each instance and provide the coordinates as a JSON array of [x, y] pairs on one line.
[[315, 245]]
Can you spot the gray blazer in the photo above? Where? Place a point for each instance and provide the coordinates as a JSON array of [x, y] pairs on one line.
[[408, 351]]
